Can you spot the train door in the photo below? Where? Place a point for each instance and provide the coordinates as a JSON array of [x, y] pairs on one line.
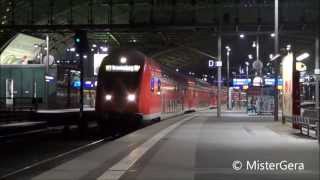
[[9, 91], [27, 83], [17, 78]]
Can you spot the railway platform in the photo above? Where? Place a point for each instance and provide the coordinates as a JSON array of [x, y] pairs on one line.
[[198, 146], [15, 123]]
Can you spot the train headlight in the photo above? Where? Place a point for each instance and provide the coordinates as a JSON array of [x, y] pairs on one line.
[[131, 97], [108, 97]]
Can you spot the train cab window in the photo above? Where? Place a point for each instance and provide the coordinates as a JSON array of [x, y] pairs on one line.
[[152, 85]]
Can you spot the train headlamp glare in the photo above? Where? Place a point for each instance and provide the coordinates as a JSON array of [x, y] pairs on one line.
[[131, 97], [108, 97]]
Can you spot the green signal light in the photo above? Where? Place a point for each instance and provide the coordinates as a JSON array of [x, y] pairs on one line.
[[77, 40]]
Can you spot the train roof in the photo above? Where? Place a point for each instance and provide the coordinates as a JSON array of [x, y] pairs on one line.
[[179, 75], [139, 55]]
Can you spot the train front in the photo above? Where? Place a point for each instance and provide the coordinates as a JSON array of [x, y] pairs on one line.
[[118, 85]]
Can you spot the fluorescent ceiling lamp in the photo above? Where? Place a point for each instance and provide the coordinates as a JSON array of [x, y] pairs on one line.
[[303, 56]]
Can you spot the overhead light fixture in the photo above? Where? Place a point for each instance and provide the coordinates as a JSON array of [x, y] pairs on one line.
[[288, 47], [303, 56], [254, 44], [275, 57], [104, 49], [270, 56]]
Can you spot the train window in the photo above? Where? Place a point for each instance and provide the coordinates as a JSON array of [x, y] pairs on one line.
[[152, 85], [159, 85]]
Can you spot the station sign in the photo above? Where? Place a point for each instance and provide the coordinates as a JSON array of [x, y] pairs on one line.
[[300, 66], [219, 63], [87, 84], [241, 82], [211, 63], [271, 82]]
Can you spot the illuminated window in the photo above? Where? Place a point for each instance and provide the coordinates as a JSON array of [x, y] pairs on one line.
[[159, 85], [152, 85]]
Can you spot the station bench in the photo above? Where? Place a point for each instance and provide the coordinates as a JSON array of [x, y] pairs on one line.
[[306, 125]]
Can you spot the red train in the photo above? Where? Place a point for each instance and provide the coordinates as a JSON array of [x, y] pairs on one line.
[[132, 85]]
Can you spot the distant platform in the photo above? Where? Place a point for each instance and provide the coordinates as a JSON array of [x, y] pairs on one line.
[[57, 111]]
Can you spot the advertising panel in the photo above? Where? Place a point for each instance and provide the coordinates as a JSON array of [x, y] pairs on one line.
[[287, 75]]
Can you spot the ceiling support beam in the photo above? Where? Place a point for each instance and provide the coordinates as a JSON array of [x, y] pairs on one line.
[[71, 12], [173, 12], [131, 15], [50, 14], [265, 29], [110, 18], [151, 20], [90, 13]]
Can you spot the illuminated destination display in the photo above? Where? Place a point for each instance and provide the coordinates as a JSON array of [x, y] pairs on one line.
[[122, 68]]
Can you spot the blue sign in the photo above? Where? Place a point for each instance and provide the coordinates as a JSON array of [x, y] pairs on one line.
[[271, 82], [87, 84], [76, 84], [241, 82]]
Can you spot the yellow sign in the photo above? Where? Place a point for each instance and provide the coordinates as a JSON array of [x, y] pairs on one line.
[[300, 66]]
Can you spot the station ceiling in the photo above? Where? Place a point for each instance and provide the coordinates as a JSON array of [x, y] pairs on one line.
[[178, 33]]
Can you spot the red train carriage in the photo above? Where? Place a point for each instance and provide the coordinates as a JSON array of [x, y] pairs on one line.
[[133, 85]]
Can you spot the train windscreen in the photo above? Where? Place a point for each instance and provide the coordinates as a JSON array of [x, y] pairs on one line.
[[121, 81]]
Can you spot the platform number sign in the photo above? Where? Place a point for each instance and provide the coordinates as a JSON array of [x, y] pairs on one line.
[[211, 63]]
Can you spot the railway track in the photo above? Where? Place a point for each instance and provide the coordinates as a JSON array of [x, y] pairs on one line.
[[26, 156]]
